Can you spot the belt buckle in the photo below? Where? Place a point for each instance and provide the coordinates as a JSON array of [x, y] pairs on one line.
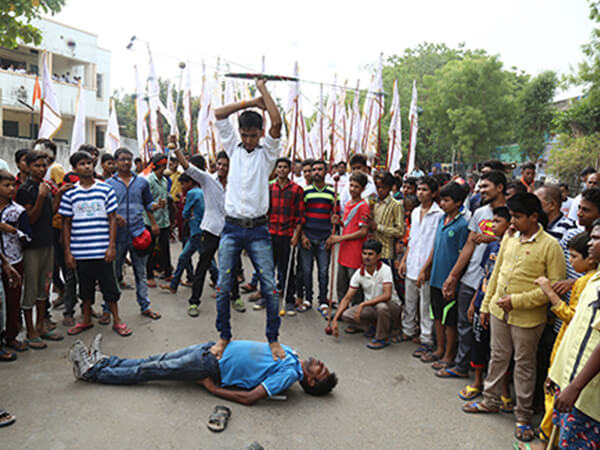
[[246, 223]]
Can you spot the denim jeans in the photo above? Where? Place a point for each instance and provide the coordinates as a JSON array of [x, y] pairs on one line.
[[188, 364], [317, 250], [257, 242], [191, 246], [139, 270]]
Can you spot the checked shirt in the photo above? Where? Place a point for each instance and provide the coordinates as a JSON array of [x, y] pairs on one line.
[[286, 209]]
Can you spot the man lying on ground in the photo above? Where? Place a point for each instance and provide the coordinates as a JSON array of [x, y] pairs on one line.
[[247, 365]]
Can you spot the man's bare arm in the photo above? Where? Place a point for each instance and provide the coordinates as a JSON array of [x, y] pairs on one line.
[[275, 130], [244, 397], [226, 110]]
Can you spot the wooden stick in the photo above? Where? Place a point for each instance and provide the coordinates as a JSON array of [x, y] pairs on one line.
[[332, 262]]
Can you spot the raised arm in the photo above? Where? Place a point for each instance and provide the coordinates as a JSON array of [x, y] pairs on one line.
[[271, 107]]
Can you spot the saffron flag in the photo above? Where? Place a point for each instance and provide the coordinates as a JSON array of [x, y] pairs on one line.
[[413, 118], [51, 120], [113, 137], [78, 134], [37, 92], [394, 153]]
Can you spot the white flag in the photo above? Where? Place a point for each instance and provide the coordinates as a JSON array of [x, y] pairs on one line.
[[355, 124], [297, 143], [171, 112], [204, 136], [51, 119], [394, 153], [78, 135], [142, 111], [113, 137], [187, 106], [373, 113], [413, 119]]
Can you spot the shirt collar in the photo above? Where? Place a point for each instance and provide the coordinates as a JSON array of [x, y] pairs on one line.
[[532, 238], [555, 221], [363, 269]]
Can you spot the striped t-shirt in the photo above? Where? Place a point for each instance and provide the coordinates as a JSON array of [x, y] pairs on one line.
[[318, 208], [89, 208]]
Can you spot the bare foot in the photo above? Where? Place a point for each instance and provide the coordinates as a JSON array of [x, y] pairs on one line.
[[219, 348], [277, 351]]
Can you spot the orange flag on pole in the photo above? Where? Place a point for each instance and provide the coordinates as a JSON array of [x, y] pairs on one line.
[[37, 91]]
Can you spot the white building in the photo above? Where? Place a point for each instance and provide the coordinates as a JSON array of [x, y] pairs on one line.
[[72, 54]]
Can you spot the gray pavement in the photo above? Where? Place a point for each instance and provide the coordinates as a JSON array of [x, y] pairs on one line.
[[384, 399]]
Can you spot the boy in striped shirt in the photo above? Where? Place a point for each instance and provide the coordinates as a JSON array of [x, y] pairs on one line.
[[89, 233]]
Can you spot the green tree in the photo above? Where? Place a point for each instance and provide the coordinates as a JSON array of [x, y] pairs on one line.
[[571, 154], [469, 108], [16, 17], [535, 114]]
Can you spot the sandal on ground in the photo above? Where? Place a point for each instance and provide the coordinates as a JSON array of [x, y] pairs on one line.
[[378, 344], [18, 346], [478, 407], [122, 329], [218, 419], [421, 351], [518, 445], [78, 328], [399, 338], [6, 418], [36, 343], [323, 310], [469, 392], [126, 286], [7, 356], [524, 432], [247, 288], [304, 306], [151, 283], [68, 321], [508, 404], [104, 319], [429, 357], [351, 329], [370, 333], [50, 336], [450, 372], [152, 314], [95, 314], [441, 364]]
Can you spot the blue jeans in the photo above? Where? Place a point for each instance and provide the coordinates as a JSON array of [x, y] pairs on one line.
[[139, 270], [188, 364], [257, 242], [317, 250], [191, 246]]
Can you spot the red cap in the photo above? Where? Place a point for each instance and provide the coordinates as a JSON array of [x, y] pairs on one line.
[[143, 241]]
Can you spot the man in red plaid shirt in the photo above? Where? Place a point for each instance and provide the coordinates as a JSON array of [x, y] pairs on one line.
[[286, 215]]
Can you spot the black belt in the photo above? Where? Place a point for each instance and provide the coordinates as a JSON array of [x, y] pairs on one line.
[[248, 223]]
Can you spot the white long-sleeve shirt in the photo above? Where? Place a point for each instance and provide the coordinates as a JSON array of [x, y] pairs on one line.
[[422, 238], [247, 195], [213, 220]]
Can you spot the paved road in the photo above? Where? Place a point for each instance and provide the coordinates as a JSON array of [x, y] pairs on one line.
[[384, 399]]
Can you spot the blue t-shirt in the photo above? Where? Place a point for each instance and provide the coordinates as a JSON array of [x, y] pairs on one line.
[[89, 208], [194, 209], [247, 364], [133, 200], [449, 241], [488, 262]]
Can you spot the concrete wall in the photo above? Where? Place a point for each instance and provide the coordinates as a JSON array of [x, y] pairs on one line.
[[8, 147]]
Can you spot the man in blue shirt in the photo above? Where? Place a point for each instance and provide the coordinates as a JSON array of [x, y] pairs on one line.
[[248, 365]]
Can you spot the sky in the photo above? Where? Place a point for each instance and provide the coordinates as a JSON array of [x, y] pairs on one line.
[[326, 37]]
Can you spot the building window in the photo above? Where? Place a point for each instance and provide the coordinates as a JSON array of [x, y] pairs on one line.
[[99, 137], [99, 86], [10, 128]]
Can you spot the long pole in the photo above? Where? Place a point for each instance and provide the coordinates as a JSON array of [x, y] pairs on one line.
[[410, 135], [331, 155], [321, 124], [332, 262], [295, 130], [378, 154]]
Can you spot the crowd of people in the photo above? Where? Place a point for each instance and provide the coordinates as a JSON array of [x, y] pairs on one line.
[[497, 277]]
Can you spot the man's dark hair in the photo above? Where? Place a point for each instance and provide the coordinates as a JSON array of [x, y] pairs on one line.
[[587, 171], [184, 178], [454, 191], [579, 243], [411, 180], [497, 177], [502, 211], [412, 199], [320, 388], [386, 178], [107, 157], [90, 149], [494, 164], [358, 159], [592, 195], [528, 204], [19, 154], [122, 151], [397, 182], [5, 175], [34, 155], [46, 144], [159, 159], [372, 244], [430, 182], [222, 155], [360, 178], [564, 185], [517, 186], [285, 160], [79, 156], [528, 165], [308, 162], [342, 163], [319, 162], [198, 161], [250, 119], [136, 160]]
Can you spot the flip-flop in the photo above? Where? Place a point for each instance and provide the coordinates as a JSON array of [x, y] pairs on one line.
[[122, 330], [378, 344], [7, 356], [478, 407], [421, 351], [399, 338], [521, 429], [50, 336], [6, 418], [441, 364], [323, 310], [448, 372], [429, 357], [104, 319], [152, 314], [78, 328], [351, 329], [217, 421], [469, 392], [304, 306], [17, 346], [370, 333], [37, 342]]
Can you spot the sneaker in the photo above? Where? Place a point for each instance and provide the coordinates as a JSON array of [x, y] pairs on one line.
[[239, 306], [79, 356], [96, 349], [290, 310], [260, 304], [193, 311]]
